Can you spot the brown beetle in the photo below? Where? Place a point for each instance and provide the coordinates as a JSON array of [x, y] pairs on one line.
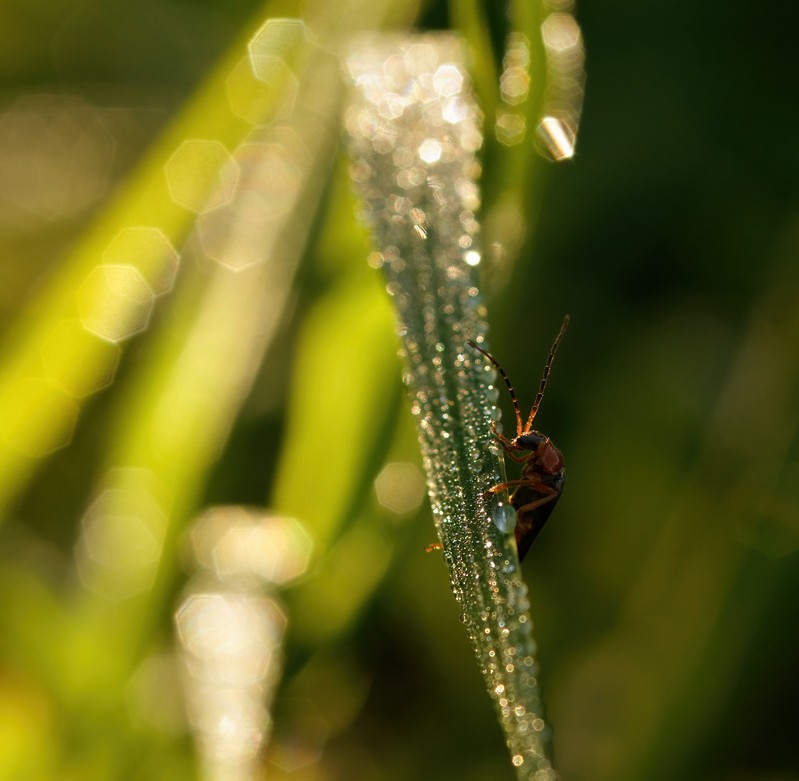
[[542, 479]]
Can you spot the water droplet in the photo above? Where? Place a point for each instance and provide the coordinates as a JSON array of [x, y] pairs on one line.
[[504, 518]]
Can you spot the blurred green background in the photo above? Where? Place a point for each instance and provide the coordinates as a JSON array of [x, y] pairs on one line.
[[664, 589]]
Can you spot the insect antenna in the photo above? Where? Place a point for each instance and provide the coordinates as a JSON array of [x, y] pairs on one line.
[[543, 385], [507, 382]]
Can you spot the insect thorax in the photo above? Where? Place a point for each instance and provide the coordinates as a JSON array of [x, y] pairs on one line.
[[530, 441]]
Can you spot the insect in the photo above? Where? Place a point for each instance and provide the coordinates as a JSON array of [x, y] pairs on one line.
[[541, 483]]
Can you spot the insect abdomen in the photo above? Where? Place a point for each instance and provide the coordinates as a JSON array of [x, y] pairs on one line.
[[529, 523]]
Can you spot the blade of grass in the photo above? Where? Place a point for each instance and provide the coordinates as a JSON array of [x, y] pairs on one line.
[[413, 136]]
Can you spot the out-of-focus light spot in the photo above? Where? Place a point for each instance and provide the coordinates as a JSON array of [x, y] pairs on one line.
[[235, 250], [115, 302], [55, 159], [454, 110], [112, 536], [154, 697], [238, 543], [561, 32], [281, 37], [37, 417], [231, 653], [472, 257], [392, 105], [514, 85], [201, 175], [510, 127], [418, 58], [149, 251], [77, 361], [235, 633], [275, 54], [231, 635], [469, 193], [400, 487], [122, 535], [244, 232], [430, 150], [555, 138], [258, 99], [563, 99], [448, 80]]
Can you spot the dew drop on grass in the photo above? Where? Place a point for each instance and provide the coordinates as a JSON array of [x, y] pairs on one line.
[[504, 517]]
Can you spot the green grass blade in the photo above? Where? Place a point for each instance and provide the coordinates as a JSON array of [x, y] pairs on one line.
[[414, 134]]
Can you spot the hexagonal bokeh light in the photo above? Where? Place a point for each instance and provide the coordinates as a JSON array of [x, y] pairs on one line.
[[231, 644], [115, 302], [56, 156], [201, 175], [231, 631], [149, 251], [510, 127], [122, 534], [243, 233], [283, 38], [240, 542], [400, 487], [563, 101]]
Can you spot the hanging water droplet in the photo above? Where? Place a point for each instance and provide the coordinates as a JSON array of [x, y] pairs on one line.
[[504, 517], [476, 465]]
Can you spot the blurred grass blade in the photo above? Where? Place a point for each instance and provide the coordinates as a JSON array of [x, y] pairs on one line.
[[68, 342], [186, 394], [413, 131], [183, 401]]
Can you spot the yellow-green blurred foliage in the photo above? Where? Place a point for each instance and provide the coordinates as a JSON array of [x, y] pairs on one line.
[[152, 365]]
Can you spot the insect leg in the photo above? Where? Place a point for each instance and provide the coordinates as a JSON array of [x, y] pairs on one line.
[[526, 508], [495, 489]]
